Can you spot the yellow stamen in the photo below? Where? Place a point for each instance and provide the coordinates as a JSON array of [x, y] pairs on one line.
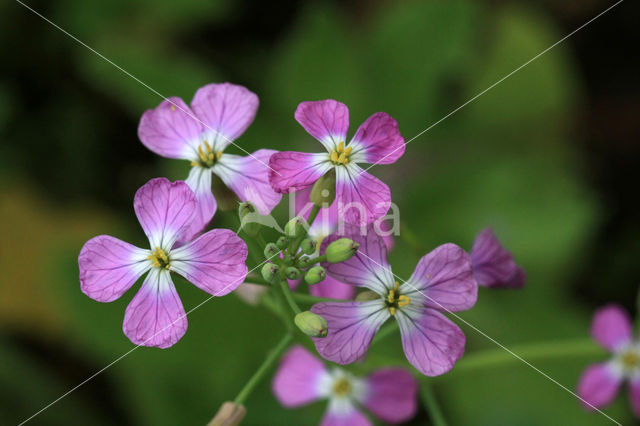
[[207, 157], [202, 155], [403, 301], [334, 156], [206, 144], [348, 150], [393, 302], [340, 155], [341, 387], [218, 154], [211, 156], [630, 359], [343, 158], [341, 146], [392, 296], [159, 258], [392, 311]]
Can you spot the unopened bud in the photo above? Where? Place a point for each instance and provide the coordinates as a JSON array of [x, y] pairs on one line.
[[271, 250], [308, 246], [315, 275], [296, 227], [305, 262], [282, 243], [341, 250], [249, 218], [270, 272], [292, 273], [311, 324], [367, 295], [230, 414], [324, 190], [287, 259]]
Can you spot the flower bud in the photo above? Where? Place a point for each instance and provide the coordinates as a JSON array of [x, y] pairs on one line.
[[282, 243], [271, 250], [308, 246], [287, 259], [230, 414], [324, 190], [296, 227], [305, 262], [270, 272], [367, 295], [315, 275], [249, 218], [311, 324], [341, 250], [292, 273]]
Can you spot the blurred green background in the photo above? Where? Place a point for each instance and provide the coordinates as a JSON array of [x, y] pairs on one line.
[[549, 158]]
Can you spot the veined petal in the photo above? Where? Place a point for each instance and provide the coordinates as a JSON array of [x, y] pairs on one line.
[[248, 177], [444, 279], [493, 265], [227, 111], [341, 412], [300, 378], [171, 130], [378, 140], [391, 395], [155, 316], [332, 289], [109, 267], [362, 198], [369, 267], [611, 327], [352, 326], [327, 121], [214, 262], [199, 181], [165, 210], [292, 171], [327, 219], [431, 342], [598, 385]]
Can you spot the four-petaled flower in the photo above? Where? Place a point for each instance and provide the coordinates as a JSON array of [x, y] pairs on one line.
[[214, 262], [600, 383], [493, 265], [442, 281], [219, 114], [361, 197], [389, 393]]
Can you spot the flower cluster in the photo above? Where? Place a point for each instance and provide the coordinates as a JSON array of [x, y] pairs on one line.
[[337, 242]]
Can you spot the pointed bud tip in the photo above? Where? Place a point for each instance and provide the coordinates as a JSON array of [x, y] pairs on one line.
[[229, 414]]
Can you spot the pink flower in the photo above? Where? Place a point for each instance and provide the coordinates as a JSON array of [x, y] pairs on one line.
[[442, 281], [215, 262], [361, 197], [389, 393], [600, 383], [219, 114], [493, 265]]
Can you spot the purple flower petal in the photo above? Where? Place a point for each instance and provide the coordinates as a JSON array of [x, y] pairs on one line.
[[493, 265], [369, 267], [362, 197], [391, 395], [215, 262], [327, 121], [165, 210], [155, 316], [598, 386], [332, 289], [299, 378], [634, 396], [444, 279], [171, 130], [352, 326], [344, 414], [611, 327], [109, 267], [431, 342], [199, 181], [248, 177], [379, 140], [227, 110], [292, 171]]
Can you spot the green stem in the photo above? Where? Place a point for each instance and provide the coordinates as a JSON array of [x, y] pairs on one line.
[[312, 216], [529, 352], [307, 298], [272, 357], [254, 279], [284, 285], [432, 405]]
